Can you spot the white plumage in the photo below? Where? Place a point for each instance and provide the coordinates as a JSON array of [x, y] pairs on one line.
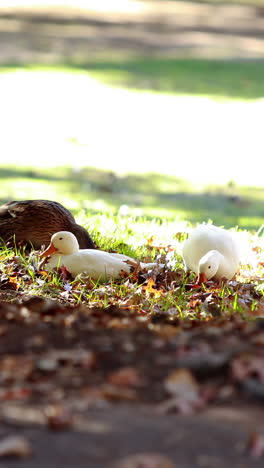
[[211, 252], [97, 264]]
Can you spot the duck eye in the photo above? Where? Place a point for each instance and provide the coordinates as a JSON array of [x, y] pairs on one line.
[[60, 238], [209, 266]]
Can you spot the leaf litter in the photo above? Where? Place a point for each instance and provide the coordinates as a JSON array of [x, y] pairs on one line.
[[148, 338]]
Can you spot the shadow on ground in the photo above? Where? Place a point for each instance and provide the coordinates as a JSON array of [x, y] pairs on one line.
[[86, 393], [183, 76], [148, 48], [152, 195], [110, 435]]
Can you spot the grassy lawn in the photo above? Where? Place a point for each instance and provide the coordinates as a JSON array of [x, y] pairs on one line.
[[91, 193], [197, 77], [88, 123], [147, 217], [143, 214], [220, 79]]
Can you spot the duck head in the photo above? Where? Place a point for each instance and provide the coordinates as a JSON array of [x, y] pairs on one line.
[[209, 265], [63, 242]]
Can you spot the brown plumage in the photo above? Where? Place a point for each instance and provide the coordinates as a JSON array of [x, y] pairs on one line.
[[34, 222]]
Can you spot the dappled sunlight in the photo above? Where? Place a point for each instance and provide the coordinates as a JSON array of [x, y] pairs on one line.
[[56, 118], [22, 189], [135, 196]]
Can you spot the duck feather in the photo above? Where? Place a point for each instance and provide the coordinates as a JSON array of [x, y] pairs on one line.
[[34, 221]]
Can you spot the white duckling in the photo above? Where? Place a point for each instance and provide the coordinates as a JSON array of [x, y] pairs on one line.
[[98, 264], [211, 252]]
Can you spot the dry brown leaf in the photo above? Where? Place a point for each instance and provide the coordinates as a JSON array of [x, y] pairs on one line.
[[15, 394], [126, 377], [113, 393]]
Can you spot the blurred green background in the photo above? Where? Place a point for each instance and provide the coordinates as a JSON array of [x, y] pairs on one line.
[[146, 108]]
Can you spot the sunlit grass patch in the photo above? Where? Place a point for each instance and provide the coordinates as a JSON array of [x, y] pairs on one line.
[[163, 294], [214, 78], [137, 131], [106, 204], [224, 79], [99, 199]]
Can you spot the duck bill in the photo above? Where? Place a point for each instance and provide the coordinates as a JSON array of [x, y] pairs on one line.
[[51, 249], [201, 278]]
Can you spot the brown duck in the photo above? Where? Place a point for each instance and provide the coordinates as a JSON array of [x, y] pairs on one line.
[[34, 222]]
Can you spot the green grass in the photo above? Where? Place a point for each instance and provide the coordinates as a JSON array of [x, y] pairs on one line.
[[163, 294], [95, 194], [151, 234], [216, 78], [123, 213], [220, 79]]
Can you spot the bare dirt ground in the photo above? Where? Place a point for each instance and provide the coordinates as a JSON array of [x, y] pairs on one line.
[[91, 388], [77, 31], [111, 436]]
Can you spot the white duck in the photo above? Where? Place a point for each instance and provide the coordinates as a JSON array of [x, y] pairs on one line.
[[64, 251], [211, 252]]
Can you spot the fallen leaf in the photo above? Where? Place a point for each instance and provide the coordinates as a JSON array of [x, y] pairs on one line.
[[43, 272], [65, 274], [113, 393], [15, 280], [184, 391], [15, 394], [58, 418], [151, 245], [150, 288], [150, 241], [181, 383], [15, 446], [126, 377]]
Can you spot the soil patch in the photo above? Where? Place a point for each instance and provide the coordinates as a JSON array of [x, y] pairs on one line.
[[88, 387]]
